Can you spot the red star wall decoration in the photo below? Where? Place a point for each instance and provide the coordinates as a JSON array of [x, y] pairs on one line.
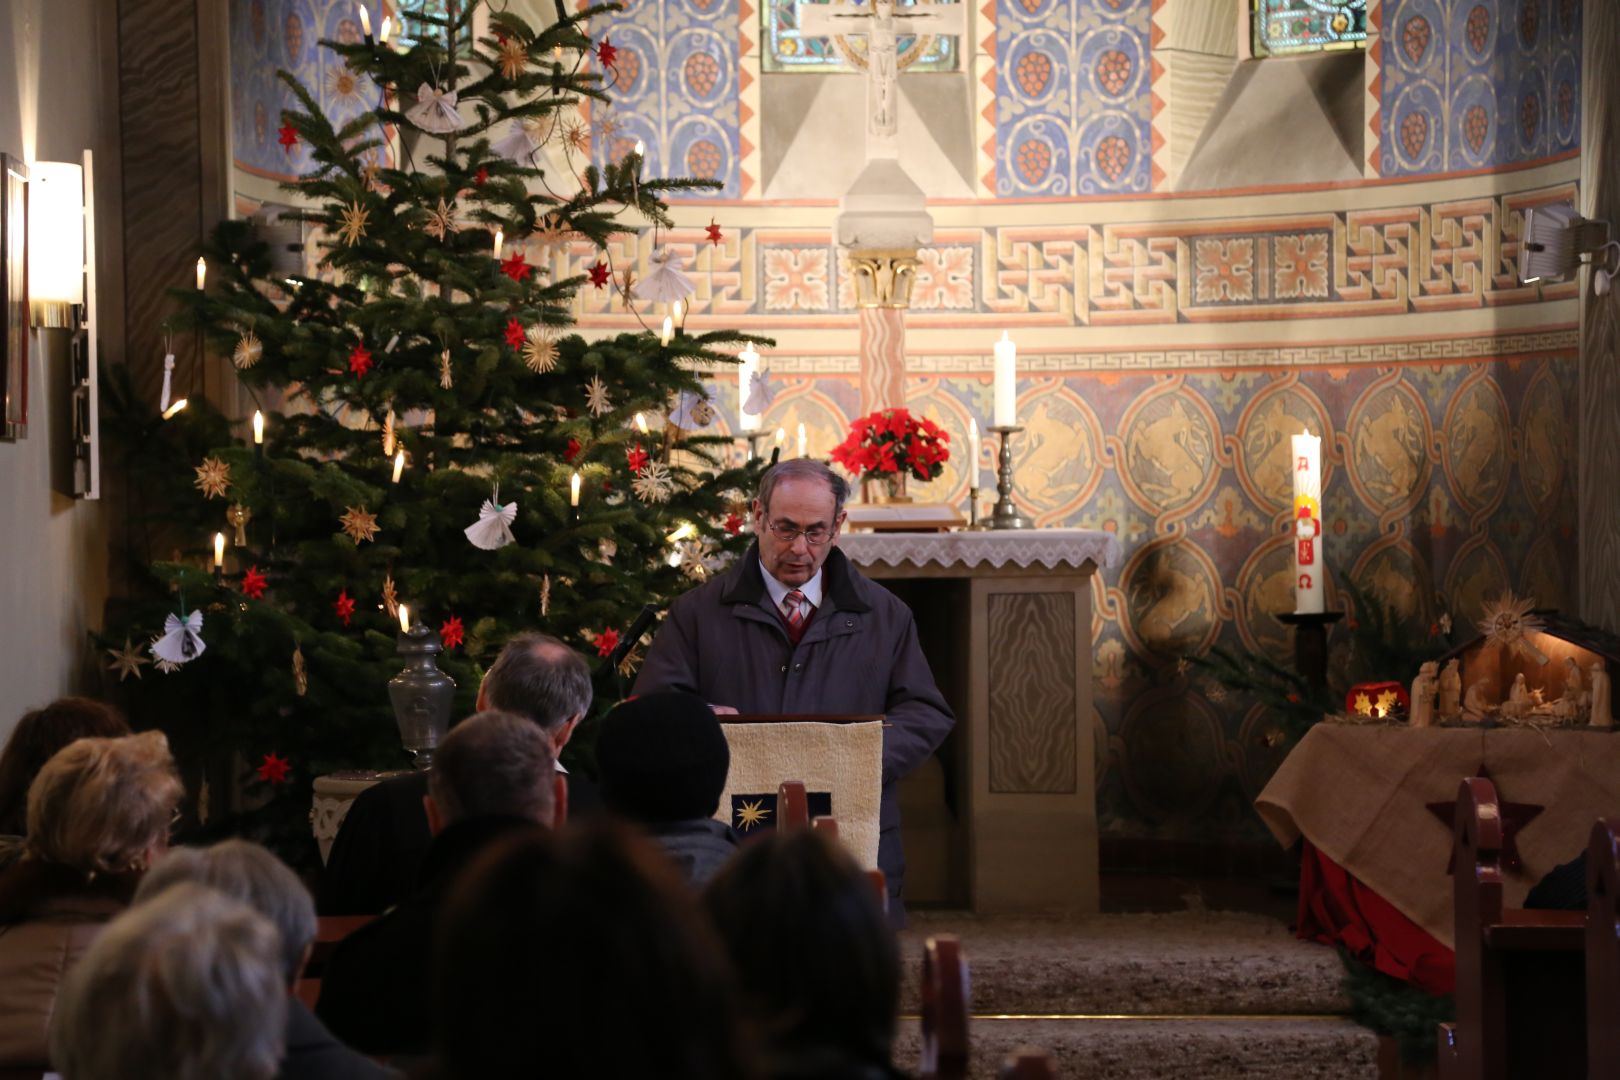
[[514, 333], [344, 606], [607, 641], [451, 632], [607, 54], [274, 769], [253, 584], [600, 274], [637, 458], [713, 229], [515, 268], [1515, 816], [289, 138]]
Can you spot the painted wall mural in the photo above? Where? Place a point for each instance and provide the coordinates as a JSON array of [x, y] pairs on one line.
[[1472, 84]]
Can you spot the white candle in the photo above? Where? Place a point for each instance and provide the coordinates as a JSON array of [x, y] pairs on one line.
[[667, 332], [641, 423], [258, 428], [500, 238], [803, 442], [168, 414], [387, 28], [219, 551], [973, 453], [404, 619], [399, 465], [781, 437], [1309, 569], [573, 490], [365, 19], [202, 272], [1006, 414], [676, 309], [746, 370]]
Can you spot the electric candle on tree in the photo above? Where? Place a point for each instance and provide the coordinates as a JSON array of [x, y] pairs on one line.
[[1308, 570], [1006, 382]]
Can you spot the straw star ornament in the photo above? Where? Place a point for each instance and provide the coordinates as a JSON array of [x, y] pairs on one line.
[[359, 524], [213, 477], [352, 225]]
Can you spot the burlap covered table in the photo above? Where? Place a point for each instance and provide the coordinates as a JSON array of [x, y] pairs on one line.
[[1359, 793]]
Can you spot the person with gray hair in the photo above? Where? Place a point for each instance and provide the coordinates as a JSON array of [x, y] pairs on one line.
[[794, 628], [248, 872], [378, 852], [494, 775], [188, 986]]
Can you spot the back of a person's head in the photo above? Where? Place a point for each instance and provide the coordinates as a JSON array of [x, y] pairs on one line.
[[541, 678], [98, 805], [581, 954], [494, 764], [38, 736], [247, 872], [662, 757], [187, 986], [816, 961]]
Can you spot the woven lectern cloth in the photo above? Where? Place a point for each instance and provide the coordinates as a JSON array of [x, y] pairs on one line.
[[1360, 794], [844, 761]]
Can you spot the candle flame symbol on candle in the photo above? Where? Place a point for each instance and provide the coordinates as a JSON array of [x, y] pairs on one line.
[[219, 550], [258, 428], [404, 618]]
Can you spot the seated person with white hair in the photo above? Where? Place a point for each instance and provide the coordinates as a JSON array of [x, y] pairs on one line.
[[494, 775], [247, 872], [187, 986]]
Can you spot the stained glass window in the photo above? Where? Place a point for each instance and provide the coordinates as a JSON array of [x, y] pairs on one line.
[[792, 51], [1285, 27]]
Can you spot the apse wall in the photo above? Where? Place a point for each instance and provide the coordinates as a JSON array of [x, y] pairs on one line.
[[1356, 278]]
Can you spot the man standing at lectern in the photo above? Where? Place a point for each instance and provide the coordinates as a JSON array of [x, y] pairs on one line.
[[793, 628]]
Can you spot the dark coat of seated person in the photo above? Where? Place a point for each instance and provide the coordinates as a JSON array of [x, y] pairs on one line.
[[34, 741], [247, 872], [817, 962], [377, 856], [494, 774], [581, 954], [662, 762]]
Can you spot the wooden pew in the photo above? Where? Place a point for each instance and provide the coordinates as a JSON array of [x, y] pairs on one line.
[[1603, 952], [1027, 1063], [945, 997], [1521, 993]]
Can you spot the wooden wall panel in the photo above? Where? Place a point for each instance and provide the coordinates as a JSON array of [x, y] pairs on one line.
[[1033, 698]]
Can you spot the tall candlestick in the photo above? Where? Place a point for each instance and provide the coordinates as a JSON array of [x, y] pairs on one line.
[[399, 465], [258, 428], [404, 619], [219, 551], [746, 370], [1309, 571], [1006, 382], [573, 491], [973, 453], [202, 272], [803, 442]]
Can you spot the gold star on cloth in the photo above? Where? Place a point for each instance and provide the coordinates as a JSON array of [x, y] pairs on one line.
[[441, 220], [249, 349], [540, 352], [213, 477], [391, 597], [514, 57], [359, 524], [750, 814], [353, 224], [596, 396], [654, 483], [126, 661]]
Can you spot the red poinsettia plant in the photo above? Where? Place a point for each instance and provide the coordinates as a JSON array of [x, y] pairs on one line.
[[892, 442]]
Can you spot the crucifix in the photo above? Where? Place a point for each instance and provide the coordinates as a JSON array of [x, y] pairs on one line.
[[883, 218]]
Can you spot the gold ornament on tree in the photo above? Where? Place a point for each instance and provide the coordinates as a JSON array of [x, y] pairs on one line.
[[359, 524], [441, 220], [238, 517], [249, 350], [514, 57], [576, 136], [389, 441], [446, 378], [164, 667], [596, 396], [213, 477], [126, 661], [545, 596], [300, 673], [352, 225], [550, 236], [540, 351], [390, 596], [654, 484]]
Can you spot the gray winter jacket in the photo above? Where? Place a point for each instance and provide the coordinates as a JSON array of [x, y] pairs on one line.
[[859, 656]]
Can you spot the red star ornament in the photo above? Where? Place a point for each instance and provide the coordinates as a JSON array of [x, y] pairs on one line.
[[514, 333], [637, 458], [344, 606], [515, 268], [1515, 816], [607, 54], [481, 177], [274, 769], [600, 274], [607, 641], [359, 361], [451, 632], [253, 584], [713, 229], [734, 524], [572, 450], [289, 138]]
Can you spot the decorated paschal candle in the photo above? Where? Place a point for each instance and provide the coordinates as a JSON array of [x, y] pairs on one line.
[[1308, 570]]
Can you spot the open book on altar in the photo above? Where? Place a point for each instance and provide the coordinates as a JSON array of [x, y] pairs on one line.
[[839, 758]]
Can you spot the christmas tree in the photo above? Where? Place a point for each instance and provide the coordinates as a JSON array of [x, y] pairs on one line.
[[444, 444]]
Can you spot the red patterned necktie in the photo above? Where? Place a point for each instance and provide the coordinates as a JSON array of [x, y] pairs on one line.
[[793, 609]]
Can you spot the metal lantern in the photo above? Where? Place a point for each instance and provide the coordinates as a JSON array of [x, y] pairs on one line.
[[422, 695]]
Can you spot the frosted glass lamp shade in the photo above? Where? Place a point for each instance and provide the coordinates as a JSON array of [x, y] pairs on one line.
[[56, 233]]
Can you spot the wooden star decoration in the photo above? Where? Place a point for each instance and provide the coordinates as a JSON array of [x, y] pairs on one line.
[[576, 136], [359, 524], [369, 174], [551, 236], [654, 483], [249, 349], [441, 220], [596, 396], [352, 225], [514, 57], [127, 661], [1515, 816], [300, 672], [390, 595], [627, 281], [213, 477], [607, 127], [446, 377], [540, 350]]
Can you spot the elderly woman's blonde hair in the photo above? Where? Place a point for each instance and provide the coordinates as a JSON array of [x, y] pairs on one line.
[[98, 805]]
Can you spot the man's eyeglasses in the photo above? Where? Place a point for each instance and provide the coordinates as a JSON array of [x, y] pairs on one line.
[[815, 535]]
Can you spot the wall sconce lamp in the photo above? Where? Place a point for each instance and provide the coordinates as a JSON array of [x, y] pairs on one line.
[[1554, 240], [62, 293]]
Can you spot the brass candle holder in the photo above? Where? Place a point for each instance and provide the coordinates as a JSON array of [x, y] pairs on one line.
[[1005, 514]]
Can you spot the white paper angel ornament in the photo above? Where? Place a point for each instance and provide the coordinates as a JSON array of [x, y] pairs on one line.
[[493, 529], [523, 139], [760, 393], [182, 641], [666, 282], [435, 111]]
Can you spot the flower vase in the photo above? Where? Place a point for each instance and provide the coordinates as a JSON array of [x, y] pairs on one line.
[[883, 488]]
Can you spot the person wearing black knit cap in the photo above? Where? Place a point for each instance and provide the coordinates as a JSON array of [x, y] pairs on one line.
[[662, 762]]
